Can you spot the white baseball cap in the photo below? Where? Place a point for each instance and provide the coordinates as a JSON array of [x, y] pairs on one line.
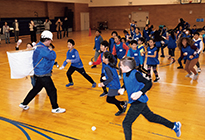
[[47, 34]]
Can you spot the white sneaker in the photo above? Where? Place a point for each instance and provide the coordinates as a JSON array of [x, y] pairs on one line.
[[188, 75], [25, 107], [58, 110], [119, 76], [199, 70], [195, 77]]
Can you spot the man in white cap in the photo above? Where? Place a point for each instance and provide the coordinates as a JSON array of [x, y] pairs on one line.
[[43, 60]]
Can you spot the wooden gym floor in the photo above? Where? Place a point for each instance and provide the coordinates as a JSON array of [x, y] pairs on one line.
[[175, 97]]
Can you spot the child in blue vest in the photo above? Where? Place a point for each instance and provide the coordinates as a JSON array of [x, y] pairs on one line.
[[119, 50], [189, 52], [124, 40], [152, 59], [137, 34], [146, 33], [141, 55], [198, 43], [132, 31], [136, 86], [134, 52], [98, 40], [76, 64], [172, 45], [103, 48], [193, 30], [203, 36], [112, 82], [112, 40]]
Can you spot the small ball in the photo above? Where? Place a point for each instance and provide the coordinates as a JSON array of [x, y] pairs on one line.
[[93, 128]]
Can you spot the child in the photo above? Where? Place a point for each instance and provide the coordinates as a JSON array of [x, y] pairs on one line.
[[98, 40], [189, 52], [194, 29], [126, 34], [132, 31], [136, 86], [103, 49], [146, 33], [119, 50], [198, 43], [137, 34], [141, 54], [132, 24], [133, 52], [112, 40], [76, 64], [152, 59], [112, 81], [124, 40], [203, 36], [172, 45]]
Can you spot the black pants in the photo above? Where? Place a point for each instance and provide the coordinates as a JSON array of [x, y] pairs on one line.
[[41, 82], [16, 34], [180, 61], [65, 32], [81, 71], [113, 100], [171, 51], [104, 88], [134, 111], [33, 36], [59, 36], [142, 69]]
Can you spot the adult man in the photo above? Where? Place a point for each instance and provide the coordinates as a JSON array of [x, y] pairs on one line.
[[16, 30], [65, 27], [43, 60]]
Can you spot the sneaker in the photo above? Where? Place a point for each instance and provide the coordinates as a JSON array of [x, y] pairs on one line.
[[169, 58], [25, 107], [188, 75], [156, 80], [58, 110], [57, 65], [119, 113], [199, 70], [180, 67], [162, 56], [93, 85], [177, 128], [173, 60], [69, 84], [125, 106], [94, 66], [103, 94], [195, 77], [120, 77]]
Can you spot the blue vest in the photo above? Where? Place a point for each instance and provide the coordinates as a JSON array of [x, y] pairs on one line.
[[136, 37], [151, 60], [158, 44], [132, 85], [71, 55], [120, 50], [135, 54], [97, 43], [172, 43], [115, 83], [112, 43], [197, 43], [190, 51], [146, 34], [103, 64]]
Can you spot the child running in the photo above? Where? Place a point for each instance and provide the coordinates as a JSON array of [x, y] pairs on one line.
[[112, 81], [112, 40], [152, 59], [76, 64], [136, 86], [172, 45], [103, 48], [199, 44]]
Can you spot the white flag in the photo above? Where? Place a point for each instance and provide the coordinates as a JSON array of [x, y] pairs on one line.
[[21, 63]]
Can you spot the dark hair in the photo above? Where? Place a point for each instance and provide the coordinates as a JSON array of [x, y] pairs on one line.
[[196, 33], [190, 42], [118, 36], [71, 41], [142, 39], [44, 39], [123, 38], [138, 28], [29, 44], [135, 21], [133, 27], [125, 31], [110, 58], [194, 25], [128, 61], [133, 42], [105, 43], [172, 34], [98, 31], [114, 32], [52, 46]]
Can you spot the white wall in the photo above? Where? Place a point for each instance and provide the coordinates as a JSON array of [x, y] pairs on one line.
[[66, 1]]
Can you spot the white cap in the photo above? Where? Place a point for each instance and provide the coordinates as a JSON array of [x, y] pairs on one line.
[[47, 34]]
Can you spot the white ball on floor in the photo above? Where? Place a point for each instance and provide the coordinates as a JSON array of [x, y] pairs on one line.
[[90, 63], [93, 128]]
